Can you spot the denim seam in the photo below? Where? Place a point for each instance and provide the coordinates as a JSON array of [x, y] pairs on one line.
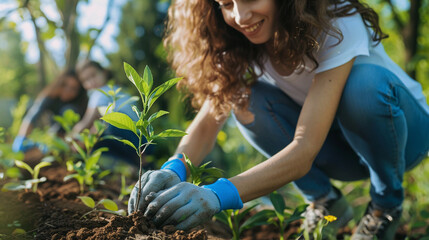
[[417, 104], [390, 99]]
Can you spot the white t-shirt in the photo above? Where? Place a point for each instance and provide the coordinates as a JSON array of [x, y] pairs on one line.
[[357, 42]]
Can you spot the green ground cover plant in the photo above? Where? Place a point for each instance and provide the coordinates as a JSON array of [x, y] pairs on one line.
[[234, 218], [109, 205], [87, 170], [202, 174], [32, 183]]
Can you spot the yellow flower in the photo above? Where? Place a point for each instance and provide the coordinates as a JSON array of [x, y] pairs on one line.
[[330, 218]]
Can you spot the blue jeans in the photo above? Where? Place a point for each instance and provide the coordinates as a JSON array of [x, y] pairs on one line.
[[379, 132]]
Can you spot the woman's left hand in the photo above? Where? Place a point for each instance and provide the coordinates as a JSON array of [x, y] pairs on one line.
[[184, 205]]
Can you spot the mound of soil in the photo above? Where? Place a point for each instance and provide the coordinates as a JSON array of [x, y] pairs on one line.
[[54, 212]]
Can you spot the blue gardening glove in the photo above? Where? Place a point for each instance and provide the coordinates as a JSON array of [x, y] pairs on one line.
[[171, 173], [186, 205], [22, 144]]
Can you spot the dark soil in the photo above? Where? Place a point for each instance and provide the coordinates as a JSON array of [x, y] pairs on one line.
[[54, 212]]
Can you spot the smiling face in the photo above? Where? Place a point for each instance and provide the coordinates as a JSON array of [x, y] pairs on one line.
[[69, 89], [253, 18], [92, 77]]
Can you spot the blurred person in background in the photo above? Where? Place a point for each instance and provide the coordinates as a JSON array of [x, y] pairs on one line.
[[93, 76], [65, 93]]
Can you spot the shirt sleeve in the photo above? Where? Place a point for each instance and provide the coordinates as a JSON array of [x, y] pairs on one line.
[[356, 41], [98, 99], [37, 109]]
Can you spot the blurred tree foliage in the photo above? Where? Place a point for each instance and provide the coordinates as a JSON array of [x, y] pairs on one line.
[[17, 75], [141, 27], [139, 42]]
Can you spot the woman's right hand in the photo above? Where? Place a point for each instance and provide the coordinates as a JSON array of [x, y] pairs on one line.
[[151, 181], [172, 172]]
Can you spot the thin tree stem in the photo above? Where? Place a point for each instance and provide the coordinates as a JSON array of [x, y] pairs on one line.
[[141, 172]]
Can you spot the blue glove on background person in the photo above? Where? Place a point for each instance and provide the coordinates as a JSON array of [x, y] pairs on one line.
[[23, 144], [186, 205], [172, 172]]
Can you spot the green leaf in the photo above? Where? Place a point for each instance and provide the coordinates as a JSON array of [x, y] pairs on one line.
[[99, 127], [223, 216], [243, 214], [157, 115], [147, 81], [18, 231], [135, 109], [88, 201], [125, 141], [23, 165], [38, 167], [14, 186], [120, 120], [129, 101], [171, 133], [109, 204], [150, 130], [260, 218], [13, 172], [134, 77], [79, 149], [103, 174], [103, 92], [94, 157], [278, 202], [158, 91], [214, 172], [68, 177]]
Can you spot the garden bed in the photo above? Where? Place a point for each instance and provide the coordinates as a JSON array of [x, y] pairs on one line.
[[55, 212]]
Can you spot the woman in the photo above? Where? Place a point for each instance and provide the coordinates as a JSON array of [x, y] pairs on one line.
[[66, 92], [93, 76], [311, 88]]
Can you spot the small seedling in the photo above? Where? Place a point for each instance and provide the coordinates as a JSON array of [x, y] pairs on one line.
[[317, 233], [233, 219], [88, 168], [202, 174], [125, 190], [109, 205], [115, 95], [7, 160], [283, 215], [28, 183], [143, 128], [67, 120]]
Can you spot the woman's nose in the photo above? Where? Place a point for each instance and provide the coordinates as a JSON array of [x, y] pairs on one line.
[[242, 13]]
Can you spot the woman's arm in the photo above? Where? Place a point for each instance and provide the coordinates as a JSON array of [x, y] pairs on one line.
[[87, 120], [295, 160], [41, 104]]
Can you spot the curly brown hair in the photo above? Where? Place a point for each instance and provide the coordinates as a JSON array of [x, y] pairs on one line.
[[216, 60]]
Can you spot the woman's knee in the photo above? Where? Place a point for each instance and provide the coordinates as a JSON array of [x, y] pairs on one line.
[[368, 87]]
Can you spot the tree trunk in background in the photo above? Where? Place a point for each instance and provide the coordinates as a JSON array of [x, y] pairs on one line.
[[409, 31], [41, 64], [68, 12]]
